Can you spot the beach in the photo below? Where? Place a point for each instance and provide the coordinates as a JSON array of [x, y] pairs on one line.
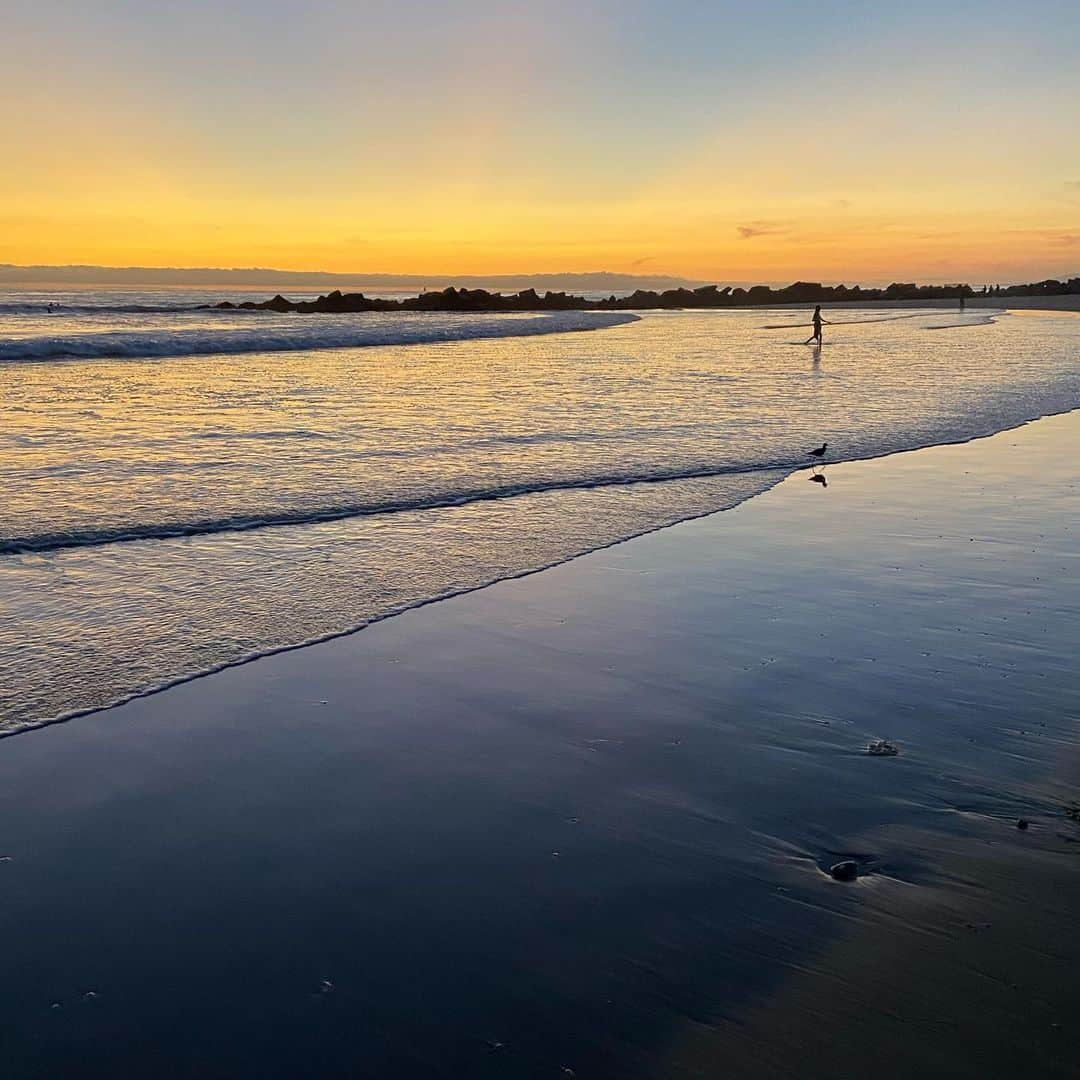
[[581, 822], [538, 542]]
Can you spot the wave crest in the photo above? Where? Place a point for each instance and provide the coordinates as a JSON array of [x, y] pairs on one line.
[[307, 334]]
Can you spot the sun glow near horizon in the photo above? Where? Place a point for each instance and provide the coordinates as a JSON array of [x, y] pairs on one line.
[[709, 142]]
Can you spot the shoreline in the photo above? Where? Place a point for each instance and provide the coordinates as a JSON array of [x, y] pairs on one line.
[[172, 683], [583, 819]]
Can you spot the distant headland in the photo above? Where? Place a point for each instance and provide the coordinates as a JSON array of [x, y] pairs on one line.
[[706, 296], [597, 281]]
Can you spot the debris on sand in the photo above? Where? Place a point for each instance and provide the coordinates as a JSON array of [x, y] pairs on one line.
[[848, 870], [882, 748]]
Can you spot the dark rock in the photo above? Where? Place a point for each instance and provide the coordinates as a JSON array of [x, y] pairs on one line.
[[279, 303], [882, 748], [705, 296], [848, 870], [1022, 824]]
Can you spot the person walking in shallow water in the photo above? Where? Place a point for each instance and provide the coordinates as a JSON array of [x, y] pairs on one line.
[[818, 320]]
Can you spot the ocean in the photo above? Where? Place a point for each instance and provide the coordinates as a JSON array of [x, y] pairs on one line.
[[188, 489]]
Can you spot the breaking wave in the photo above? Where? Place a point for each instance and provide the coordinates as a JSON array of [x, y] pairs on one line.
[[300, 333]]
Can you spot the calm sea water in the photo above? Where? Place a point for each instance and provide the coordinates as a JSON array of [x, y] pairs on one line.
[[188, 489]]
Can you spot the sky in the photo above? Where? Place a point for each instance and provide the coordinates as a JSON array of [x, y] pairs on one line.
[[856, 141]]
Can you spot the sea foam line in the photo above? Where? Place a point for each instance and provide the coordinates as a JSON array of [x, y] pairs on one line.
[[56, 541], [773, 477]]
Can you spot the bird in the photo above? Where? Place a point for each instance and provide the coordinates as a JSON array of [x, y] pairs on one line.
[[820, 451]]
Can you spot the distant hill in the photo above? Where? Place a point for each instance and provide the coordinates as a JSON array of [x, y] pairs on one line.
[[601, 281]]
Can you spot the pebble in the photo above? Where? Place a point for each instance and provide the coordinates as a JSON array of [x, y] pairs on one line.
[[882, 748]]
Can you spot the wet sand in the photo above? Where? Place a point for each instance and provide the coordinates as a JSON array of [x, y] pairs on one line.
[[580, 823]]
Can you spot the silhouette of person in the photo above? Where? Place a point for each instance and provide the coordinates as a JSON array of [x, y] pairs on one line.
[[818, 320]]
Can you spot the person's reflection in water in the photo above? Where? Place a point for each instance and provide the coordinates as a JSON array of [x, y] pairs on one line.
[[815, 358]]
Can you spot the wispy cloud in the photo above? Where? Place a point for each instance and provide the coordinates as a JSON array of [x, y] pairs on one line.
[[642, 261], [1067, 239], [760, 228]]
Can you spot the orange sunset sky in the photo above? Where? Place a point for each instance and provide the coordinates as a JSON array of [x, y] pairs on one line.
[[715, 141]]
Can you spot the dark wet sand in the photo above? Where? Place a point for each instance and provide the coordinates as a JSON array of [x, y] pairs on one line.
[[579, 821]]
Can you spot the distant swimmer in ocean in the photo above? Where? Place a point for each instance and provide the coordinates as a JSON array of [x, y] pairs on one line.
[[818, 320]]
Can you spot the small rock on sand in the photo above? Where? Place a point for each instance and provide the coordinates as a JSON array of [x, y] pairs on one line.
[[882, 748], [847, 870]]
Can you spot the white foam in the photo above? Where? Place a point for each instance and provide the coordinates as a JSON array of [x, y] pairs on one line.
[[298, 333]]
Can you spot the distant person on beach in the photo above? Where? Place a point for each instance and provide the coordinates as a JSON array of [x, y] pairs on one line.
[[818, 320], [961, 302]]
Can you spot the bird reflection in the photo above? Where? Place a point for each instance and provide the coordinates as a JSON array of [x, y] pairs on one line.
[[819, 478]]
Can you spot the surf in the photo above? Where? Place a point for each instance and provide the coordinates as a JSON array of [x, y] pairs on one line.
[[294, 334]]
